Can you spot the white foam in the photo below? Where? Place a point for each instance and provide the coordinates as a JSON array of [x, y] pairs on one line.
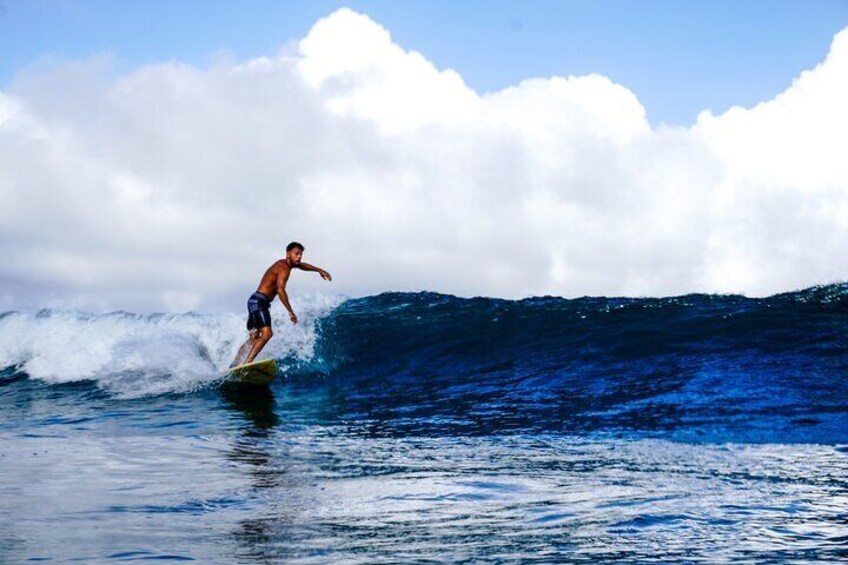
[[136, 355]]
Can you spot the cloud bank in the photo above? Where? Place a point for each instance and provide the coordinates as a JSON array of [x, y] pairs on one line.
[[172, 187]]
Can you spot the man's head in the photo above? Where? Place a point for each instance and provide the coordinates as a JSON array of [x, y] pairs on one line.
[[294, 252]]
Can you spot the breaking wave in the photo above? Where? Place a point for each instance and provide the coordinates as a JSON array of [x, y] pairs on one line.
[[711, 367]]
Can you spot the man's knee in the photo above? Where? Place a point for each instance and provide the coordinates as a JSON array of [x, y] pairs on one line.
[[265, 333]]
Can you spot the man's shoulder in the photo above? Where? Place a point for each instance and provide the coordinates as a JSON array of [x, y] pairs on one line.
[[281, 266]]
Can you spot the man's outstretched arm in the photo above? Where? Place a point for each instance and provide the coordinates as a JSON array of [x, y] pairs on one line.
[[307, 267]]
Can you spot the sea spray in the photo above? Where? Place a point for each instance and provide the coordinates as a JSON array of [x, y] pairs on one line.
[[133, 355]]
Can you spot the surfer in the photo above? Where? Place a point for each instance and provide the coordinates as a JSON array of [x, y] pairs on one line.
[[273, 283]]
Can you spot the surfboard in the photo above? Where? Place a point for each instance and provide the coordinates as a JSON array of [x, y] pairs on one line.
[[256, 373]]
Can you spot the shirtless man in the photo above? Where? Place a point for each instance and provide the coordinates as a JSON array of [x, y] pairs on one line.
[[258, 306]]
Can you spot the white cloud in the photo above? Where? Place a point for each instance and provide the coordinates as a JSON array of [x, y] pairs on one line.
[[173, 186]]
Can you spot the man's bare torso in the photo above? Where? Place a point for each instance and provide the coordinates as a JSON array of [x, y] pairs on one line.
[[268, 284]]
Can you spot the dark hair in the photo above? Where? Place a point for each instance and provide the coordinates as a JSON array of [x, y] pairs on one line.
[[294, 244]]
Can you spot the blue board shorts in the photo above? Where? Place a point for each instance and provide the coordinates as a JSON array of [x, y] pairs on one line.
[[258, 311]]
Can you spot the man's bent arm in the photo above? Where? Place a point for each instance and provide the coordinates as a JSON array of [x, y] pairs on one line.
[[284, 298], [282, 279]]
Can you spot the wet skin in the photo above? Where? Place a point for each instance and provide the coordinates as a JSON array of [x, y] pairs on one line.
[[273, 284]]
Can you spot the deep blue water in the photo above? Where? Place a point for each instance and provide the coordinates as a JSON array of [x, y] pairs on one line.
[[430, 428]]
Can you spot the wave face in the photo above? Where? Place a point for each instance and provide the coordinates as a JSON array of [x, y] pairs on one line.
[[696, 367]]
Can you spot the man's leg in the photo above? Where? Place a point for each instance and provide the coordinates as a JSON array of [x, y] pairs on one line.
[[265, 334], [245, 348]]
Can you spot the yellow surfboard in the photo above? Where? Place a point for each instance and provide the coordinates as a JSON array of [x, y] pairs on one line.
[[256, 373]]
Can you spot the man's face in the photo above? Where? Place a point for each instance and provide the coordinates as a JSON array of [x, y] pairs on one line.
[[295, 255]]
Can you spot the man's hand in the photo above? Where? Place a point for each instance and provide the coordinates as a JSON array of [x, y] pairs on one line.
[[325, 275], [293, 317]]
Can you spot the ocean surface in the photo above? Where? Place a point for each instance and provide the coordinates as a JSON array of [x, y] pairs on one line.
[[426, 428]]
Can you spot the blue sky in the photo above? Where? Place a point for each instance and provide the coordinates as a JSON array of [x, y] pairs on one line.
[[678, 57], [146, 176]]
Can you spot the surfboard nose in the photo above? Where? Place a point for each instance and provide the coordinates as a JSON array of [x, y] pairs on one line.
[[257, 373]]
